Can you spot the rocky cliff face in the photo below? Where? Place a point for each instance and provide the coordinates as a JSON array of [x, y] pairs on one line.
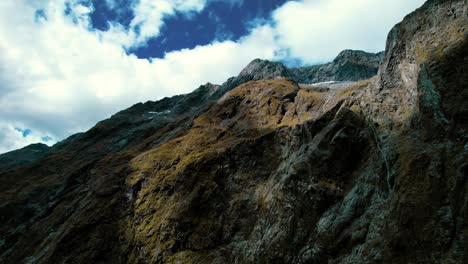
[[349, 65], [262, 169]]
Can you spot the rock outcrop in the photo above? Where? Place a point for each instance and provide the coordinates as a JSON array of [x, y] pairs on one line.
[[263, 169], [349, 65]]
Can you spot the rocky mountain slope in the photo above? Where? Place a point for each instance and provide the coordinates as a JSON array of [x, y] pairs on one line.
[[266, 168], [23, 156]]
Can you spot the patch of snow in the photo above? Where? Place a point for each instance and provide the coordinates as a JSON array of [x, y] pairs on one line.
[[165, 112], [322, 83], [154, 114]]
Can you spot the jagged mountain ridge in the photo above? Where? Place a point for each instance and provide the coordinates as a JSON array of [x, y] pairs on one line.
[[269, 172], [349, 65], [167, 110]]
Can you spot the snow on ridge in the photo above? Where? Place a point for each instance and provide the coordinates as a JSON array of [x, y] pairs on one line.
[[160, 113], [322, 83], [153, 114]]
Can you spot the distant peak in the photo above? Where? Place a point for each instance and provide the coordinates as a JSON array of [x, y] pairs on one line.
[[37, 146], [351, 52], [357, 56], [210, 86], [261, 69], [259, 63]]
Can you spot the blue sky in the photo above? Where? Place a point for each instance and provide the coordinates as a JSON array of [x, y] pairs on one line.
[[67, 64], [219, 20]]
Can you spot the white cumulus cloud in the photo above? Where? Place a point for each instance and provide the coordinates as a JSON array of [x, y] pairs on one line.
[[317, 30]]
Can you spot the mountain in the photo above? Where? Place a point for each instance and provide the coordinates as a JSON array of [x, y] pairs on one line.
[[267, 167], [349, 65], [23, 156]]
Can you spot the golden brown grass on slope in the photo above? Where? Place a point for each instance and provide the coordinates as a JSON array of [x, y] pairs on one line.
[[244, 114]]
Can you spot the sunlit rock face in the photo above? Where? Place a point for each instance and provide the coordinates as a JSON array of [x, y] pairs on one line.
[[272, 166]]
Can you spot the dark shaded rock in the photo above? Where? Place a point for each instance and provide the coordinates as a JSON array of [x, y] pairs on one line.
[[23, 156], [349, 65]]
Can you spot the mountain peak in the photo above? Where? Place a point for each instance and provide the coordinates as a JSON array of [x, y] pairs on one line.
[[264, 69], [23, 156], [358, 56], [349, 65]]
